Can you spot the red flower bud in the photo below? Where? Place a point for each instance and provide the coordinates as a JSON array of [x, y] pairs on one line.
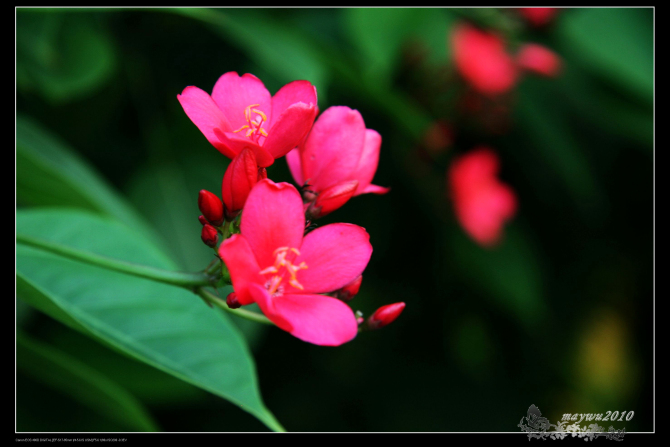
[[240, 177], [332, 198], [211, 207], [539, 60], [348, 292], [202, 220], [385, 315], [232, 301], [209, 235]]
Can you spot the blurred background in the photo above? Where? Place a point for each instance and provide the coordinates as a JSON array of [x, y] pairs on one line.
[[558, 314]]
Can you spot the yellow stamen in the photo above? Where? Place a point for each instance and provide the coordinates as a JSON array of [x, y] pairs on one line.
[[274, 284], [271, 269], [281, 261], [296, 284], [254, 126], [241, 128], [265, 118]]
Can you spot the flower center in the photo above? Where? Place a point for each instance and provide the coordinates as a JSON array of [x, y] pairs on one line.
[[281, 267], [254, 126]]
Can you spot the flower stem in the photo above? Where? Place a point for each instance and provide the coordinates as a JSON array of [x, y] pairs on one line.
[[215, 300], [183, 279], [225, 231]]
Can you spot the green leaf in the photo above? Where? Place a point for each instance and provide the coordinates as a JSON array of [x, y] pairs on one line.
[[623, 117], [166, 192], [49, 173], [165, 326], [83, 384], [63, 57], [615, 43], [553, 139], [162, 189], [380, 33], [148, 384]]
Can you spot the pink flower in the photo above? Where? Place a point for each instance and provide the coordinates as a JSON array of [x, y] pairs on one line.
[[481, 59], [539, 60], [241, 113], [337, 160], [272, 264], [482, 203]]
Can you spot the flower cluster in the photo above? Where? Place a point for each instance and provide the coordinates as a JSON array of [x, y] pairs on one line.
[[300, 280], [482, 59], [490, 70]]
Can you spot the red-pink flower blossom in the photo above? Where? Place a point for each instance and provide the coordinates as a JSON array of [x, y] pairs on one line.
[[241, 113], [272, 264], [539, 60], [538, 16], [338, 151], [482, 60], [481, 202]]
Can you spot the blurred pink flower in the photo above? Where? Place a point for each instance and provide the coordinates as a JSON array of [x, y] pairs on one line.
[[272, 264], [241, 113], [539, 60], [538, 16], [482, 203], [337, 160], [481, 59]]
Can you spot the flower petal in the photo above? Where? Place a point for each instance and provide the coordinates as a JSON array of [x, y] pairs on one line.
[[375, 189], [317, 319], [539, 60], [205, 114], [294, 164], [289, 129], [335, 255], [234, 93], [481, 202], [482, 60], [292, 93], [367, 164], [273, 217], [234, 143], [242, 265], [333, 148]]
